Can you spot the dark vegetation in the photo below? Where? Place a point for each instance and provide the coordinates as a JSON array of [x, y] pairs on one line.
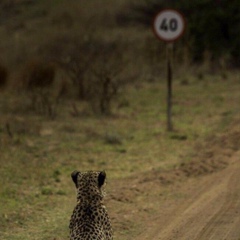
[[3, 76], [213, 27], [87, 66], [37, 78], [95, 64]]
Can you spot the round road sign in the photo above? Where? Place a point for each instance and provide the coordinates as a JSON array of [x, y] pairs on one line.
[[169, 25]]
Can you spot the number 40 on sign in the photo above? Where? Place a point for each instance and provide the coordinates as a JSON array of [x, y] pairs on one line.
[[168, 25]]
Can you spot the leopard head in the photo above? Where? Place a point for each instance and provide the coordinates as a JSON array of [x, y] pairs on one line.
[[89, 185]]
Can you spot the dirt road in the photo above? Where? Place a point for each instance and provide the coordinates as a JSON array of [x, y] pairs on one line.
[[211, 210], [196, 200]]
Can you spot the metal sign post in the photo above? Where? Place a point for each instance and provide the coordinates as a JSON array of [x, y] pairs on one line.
[[168, 26], [169, 86]]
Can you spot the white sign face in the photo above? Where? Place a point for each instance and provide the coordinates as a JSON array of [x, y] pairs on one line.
[[169, 25]]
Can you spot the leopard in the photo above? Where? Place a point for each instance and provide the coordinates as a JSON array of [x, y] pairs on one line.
[[90, 219]]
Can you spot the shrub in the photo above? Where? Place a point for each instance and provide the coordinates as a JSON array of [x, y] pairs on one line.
[[105, 77], [74, 55], [93, 65], [37, 74], [37, 79], [103, 89], [3, 76]]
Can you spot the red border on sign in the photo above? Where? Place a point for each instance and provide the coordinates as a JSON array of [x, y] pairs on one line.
[[184, 24]]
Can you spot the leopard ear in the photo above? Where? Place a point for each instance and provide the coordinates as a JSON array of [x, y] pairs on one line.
[[74, 176], [101, 178]]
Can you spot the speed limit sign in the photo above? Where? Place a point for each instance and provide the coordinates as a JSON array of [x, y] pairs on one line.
[[169, 25]]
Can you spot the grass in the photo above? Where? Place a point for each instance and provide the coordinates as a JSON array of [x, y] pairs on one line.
[[37, 195]]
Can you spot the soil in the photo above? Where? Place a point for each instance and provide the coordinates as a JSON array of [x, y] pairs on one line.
[[199, 199]]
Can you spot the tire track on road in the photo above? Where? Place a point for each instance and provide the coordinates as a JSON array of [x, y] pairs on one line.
[[223, 223], [211, 213]]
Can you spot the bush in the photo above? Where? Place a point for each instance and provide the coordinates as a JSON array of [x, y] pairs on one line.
[[103, 89], [93, 65], [3, 76], [37, 79], [74, 55], [37, 74]]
